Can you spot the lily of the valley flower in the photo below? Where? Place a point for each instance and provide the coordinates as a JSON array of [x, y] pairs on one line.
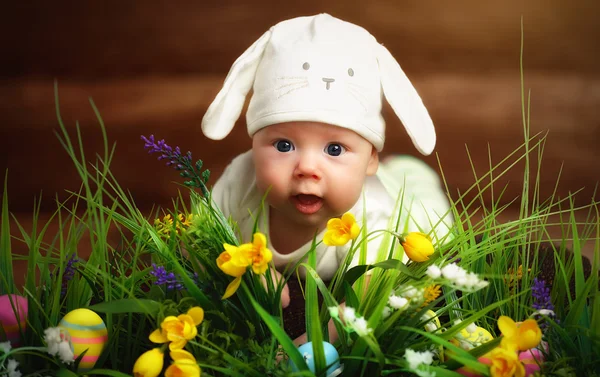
[[235, 260], [417, 246], [521, 337], [149, 364], [184, 365], [178, 330], [340, 231]]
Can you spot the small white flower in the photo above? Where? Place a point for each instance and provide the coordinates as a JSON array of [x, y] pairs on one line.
[[430, 326], [334, 311], [397, 302], [5, 347], [386, 312], [416, 358], [360, 326], [65, 352], [11, 368], [434, 271], [471, 328], [410, 292], [52, 335], [546, 312], [450, 271], [349, 314]]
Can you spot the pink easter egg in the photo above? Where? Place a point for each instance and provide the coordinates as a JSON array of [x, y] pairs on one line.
[[531, 360], [13, 318]]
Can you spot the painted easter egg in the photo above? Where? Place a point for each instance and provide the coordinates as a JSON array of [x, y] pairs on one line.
[[531, 359], [332, 358], [87, 332], [13, 318], [468, 341]]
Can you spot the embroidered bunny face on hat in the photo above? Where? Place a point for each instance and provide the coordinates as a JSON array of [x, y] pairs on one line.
[[319, 69]]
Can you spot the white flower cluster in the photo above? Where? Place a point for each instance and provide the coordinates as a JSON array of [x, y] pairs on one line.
[[418, 362], [59, 343], [354, 322], [11, 366], [458, 277], [402, 299]]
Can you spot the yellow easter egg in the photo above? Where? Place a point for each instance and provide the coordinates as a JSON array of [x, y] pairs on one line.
[[468, 341], [87, 332]]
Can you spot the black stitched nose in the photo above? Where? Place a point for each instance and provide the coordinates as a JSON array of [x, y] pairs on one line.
[[328, 81]]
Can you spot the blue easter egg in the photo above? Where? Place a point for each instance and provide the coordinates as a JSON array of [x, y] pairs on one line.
[[332, 358]]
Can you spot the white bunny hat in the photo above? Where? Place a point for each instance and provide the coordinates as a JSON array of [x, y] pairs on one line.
[[319, 69]]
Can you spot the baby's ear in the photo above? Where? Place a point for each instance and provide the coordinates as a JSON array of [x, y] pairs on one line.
[[405, 101], [226, 108], [373, 162]]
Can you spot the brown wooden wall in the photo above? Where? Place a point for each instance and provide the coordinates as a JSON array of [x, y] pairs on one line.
[[153, 67]]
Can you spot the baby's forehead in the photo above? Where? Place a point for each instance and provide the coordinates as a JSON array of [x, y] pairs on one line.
[[307, 129]]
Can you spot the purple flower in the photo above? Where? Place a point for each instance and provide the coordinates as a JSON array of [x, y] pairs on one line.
[[173, 157], [181, 162], [69, 273], [541, 295], [163, 277]]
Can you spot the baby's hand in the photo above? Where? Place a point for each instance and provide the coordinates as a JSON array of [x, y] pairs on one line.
[[277, 278], [285, 292]]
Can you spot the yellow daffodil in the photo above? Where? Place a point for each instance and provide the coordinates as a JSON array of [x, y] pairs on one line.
[[149, 364], [340, 231], [522, 337], [417, 246], [235, 260], [178, 330], [184, 365], [260, 255], [505, 363]]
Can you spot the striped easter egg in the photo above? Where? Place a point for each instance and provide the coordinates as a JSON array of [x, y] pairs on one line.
[[87, 332], [13, 318]]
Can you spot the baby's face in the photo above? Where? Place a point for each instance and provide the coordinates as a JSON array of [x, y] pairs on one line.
[[312, 171]]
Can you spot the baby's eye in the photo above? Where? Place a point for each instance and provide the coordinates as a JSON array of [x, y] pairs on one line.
[[284, 146], [334, 149]]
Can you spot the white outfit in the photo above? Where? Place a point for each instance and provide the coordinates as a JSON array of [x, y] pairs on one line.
[[235, 193]]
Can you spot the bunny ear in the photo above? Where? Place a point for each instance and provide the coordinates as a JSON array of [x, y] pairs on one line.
[[225, 110], [404, 99]]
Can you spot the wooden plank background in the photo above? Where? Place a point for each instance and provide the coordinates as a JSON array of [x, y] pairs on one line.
[[153, 67]]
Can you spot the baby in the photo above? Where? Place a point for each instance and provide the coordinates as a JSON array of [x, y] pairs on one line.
[[316, 127]]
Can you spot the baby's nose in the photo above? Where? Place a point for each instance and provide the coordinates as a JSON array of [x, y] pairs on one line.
[[328, 81], [307, 168]]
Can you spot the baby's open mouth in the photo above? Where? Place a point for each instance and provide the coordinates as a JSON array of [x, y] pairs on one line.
[[307, 204]]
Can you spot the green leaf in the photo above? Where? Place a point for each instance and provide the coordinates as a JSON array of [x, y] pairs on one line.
[[107, 372], [278, 332], [64, 372], [313, 321], [128, 305], [355, 272], [6, 265]]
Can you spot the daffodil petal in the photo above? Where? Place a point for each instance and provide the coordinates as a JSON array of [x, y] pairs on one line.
[[177, 344], [157, 336], [197, 314], [259, 240], [182, 355], [507, 326], [232, 287]]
